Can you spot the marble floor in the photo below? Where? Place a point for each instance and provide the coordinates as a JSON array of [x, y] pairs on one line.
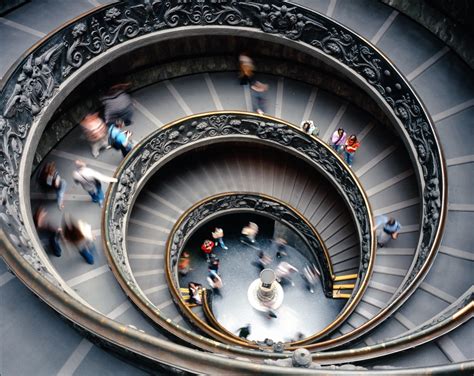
[[301, 311]]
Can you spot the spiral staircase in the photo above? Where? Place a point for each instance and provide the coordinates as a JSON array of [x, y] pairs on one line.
[[361, 65]]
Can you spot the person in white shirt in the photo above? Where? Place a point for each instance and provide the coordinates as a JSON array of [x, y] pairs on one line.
[[309, 127], [90, 180]]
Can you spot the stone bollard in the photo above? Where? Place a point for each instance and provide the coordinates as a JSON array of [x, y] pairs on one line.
[[301, 358]]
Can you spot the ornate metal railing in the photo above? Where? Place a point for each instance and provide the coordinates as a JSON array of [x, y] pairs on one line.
[[160, 146], [37, 84], [228, 202]]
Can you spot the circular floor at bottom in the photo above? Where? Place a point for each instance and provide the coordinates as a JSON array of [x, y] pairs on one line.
[[301, 312]]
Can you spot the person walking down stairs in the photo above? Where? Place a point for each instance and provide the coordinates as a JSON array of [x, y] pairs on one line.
[[386, 228], [90, 180]]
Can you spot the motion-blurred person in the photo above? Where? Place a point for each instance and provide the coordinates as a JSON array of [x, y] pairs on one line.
[[250, 232], [90, 180], [95, 130], [218, 236], [244, 331], [79, 234], [281, 248], [258, 92], [263, 260], [215, 282], [53, 233], [311, 275], [284, 272], [246, 69], [118, 104], [184, 264], [213, 264], [119, 138], [49, 177], [386, 228]]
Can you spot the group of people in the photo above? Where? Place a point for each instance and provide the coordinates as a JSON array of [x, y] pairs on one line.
[[109, 132], [347, 146], [74, 232], [340, 141], [101, 133], [213, 276]]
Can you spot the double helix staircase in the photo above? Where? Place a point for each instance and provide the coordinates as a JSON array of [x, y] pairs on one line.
[[382, 166]]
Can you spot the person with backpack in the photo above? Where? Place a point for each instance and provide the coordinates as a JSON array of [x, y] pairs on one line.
[[79, 234], [90, 180], [95, 130], [50, 179], [119, 139]]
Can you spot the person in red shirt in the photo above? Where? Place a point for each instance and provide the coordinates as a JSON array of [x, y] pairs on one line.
[[352, 144], [207, 247]]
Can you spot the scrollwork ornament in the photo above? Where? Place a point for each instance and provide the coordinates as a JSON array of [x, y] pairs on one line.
[[205, 12], [35, 84], [284, 20]]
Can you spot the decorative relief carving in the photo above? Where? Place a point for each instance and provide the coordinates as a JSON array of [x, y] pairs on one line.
[[35, 84], [259, 204], [283, 20]]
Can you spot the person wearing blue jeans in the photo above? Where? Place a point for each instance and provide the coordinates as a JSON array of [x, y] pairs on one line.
[[79, 234], [218, 235], [91, 180], [45, 227]]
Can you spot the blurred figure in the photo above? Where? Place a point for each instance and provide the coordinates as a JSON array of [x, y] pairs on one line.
[[207, 248], [119, 138], [386, 228], [352, 144], [213, 264], [250, 232], [95, 130], [195, 291], [246, 69], [45, 227], [281, 247], [338, 140], [284, 272], [245, 331], [263, 260], [49, 177], [309, 128], [311, 275], [79, 234], [90, 180], [215, 282], [184, 264], [218, 236], [118, 104], [258, 93]]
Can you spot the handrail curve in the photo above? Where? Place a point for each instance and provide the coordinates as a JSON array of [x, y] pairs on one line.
[[192, 131], [32, 84]]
